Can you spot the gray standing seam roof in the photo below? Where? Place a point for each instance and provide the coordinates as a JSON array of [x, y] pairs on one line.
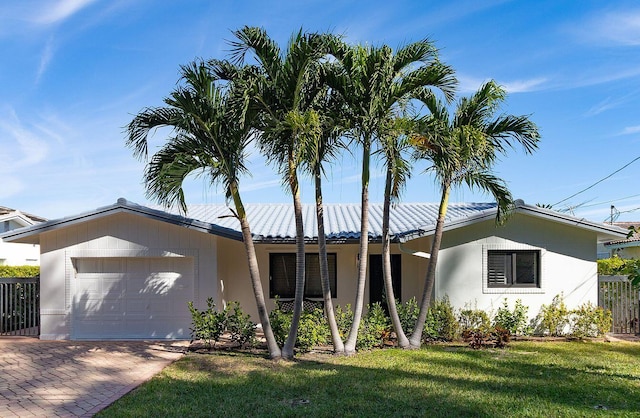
[[276, 223]]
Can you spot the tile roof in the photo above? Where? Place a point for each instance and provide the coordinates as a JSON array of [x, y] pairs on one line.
[[634, 239]]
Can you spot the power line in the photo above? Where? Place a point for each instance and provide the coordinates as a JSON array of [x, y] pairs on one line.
[[599, 181]]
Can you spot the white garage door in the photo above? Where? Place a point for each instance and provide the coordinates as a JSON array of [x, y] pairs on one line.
[[132, 298]]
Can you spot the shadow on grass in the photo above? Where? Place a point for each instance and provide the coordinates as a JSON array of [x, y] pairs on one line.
[[530, 380]]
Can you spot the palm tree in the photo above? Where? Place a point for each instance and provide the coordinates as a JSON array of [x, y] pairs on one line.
[[373, 81], [462, 150], [211, 129], [398, 170], [288, 85], [321, 148]]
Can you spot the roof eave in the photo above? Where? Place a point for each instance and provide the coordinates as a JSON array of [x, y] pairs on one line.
[[31, 235]]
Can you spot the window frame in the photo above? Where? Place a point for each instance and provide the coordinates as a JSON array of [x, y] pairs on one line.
[[512, 275], [333, 275]]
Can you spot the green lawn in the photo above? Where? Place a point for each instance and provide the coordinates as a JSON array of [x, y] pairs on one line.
[[532, 379]]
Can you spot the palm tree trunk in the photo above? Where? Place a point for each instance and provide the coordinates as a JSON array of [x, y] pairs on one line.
[[350, 344], [298, 301], [416, 337], [338, 346], [386, 265], [254, 274]]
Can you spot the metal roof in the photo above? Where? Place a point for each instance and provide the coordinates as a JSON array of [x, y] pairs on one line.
[[275, 222]]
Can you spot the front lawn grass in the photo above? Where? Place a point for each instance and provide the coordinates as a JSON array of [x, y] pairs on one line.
[[527, 379]]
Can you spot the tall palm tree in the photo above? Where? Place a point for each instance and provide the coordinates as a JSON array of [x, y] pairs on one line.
[[288, 85], [320, 149], [373, 81], [210, 131], [462, 150], [398, 169]]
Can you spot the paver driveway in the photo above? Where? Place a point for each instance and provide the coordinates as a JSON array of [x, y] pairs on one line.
[[72, 378]]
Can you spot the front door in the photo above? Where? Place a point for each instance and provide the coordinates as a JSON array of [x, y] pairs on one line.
[[376, 280]]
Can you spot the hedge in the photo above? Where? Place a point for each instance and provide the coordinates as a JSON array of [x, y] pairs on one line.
[[19, 271]]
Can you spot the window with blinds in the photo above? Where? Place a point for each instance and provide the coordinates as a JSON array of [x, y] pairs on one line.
[[282, 275], [518, 268]]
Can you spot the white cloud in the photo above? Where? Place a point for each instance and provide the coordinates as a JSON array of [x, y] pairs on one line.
[[629, 130], [611, 28], [472, 84], [524, 86], [45, 59], [61, 10], [30, 148]]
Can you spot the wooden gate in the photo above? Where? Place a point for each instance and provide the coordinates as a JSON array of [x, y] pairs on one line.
[[20, 306], [617, 294]]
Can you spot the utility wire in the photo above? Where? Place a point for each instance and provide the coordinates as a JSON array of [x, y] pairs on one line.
[[599, 181]]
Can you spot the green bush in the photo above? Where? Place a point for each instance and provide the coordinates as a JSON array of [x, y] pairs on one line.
[[375, 328], [239, 324], [344, 318], [554, 317], [590, 321], [473, 320], [441, 323], [280, 323], [313, 329], [611, 266], [513, 321], [616, 266], [207, 325], [19, 271], [408, 314]]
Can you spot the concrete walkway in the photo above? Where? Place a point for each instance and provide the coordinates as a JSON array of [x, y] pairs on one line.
[[72, 378]]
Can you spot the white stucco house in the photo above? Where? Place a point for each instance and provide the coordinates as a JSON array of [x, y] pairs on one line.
[[12, 254], [127, 271]]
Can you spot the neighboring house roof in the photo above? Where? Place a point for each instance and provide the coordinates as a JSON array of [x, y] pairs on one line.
[[21, 218], [275, 222], [633, 241]]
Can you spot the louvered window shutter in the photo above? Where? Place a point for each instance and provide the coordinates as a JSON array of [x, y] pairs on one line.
[[499, 268]]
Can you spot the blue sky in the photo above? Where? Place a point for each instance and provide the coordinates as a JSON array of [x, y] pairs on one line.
[[74, 72]]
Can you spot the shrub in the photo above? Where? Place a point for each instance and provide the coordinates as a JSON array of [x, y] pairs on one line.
[[408, 313], [207, 325], [344, 318], [610, 266], [19, 271], [239, 324], [554, 317], [313, 329], [590, 321], [513, 321], [375, 328], [280, 323], [441, 323], [472, 320]]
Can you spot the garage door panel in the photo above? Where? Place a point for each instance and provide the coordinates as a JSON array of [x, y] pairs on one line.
[[127, 298]]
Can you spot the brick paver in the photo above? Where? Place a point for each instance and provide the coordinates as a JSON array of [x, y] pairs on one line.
[[71, 378]]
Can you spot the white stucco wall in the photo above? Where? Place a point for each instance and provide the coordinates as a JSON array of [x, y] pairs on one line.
[[118, 235], [12, 254], [568, 265]]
